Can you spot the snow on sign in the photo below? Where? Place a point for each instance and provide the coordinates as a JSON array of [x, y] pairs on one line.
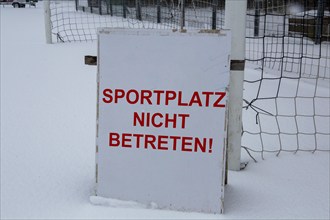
[[161, 117]]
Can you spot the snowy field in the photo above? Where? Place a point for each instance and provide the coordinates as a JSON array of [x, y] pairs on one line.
[[48, 116]]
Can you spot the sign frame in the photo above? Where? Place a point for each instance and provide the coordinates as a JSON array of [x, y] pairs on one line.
[[163, 200]]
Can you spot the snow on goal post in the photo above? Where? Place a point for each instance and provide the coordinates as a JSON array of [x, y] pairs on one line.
[[161, 129]]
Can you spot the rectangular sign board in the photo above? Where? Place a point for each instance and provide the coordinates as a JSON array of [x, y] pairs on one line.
[[161, 117]]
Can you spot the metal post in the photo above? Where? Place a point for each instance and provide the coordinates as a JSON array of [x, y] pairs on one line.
[[138, 10], [182, 19], [77, 3], [214, 14], [257, 18], [99, 2], [110, 4], [158, 11], [91, 6], [124, 9], [319, 21], [235, 20], [108, 8], [48, 22]]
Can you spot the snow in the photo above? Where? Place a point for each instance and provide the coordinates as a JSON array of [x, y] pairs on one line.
[[115, 203], [48, 111], [300, 13]]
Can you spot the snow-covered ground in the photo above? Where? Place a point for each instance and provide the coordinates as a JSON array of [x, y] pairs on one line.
[[48, 111]]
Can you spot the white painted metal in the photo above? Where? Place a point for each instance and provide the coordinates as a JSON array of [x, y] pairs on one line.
[[235, 20], [48, 25]]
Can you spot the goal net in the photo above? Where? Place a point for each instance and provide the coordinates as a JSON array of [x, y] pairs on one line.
[[78, 20], [288, 50], [287, 76]]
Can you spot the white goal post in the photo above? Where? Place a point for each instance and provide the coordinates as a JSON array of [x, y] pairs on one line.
[[48, 22], [235, 20]]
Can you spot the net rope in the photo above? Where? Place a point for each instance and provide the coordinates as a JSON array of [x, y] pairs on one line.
[[290, 57]]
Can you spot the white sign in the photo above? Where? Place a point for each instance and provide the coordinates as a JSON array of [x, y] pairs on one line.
[[161, 117]]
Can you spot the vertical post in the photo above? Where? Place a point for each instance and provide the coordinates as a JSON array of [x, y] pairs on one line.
[[107, 5], [100, 6], [158, 11], [182, 18], [110, 5], [124, 9], [257, 18], [235, 19], [48, 22], [138, 10], [319, 21], [214, 14], [77, 3]]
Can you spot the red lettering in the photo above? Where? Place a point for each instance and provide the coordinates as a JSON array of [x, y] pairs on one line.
[[119, 93], [207, 98], [163, 97], [217, 102], [158, 120], [107, 94], [183, 119], [153, 121], [158, 93], [126, 140], [148, 119], [169, 95], [195, 99], [175, 138], [199, 145], [114, 140], [145, 96], [128, 96], [186, 142], [149, 140], [162, 140], [138, 136], [170, 120], [137, 118], [180, 103]]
